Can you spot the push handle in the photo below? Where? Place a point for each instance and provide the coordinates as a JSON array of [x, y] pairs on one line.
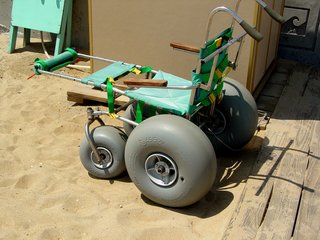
[[276, 16], [251, 31]]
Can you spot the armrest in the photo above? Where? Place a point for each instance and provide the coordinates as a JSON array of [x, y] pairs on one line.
[[185, 47], [145, 82]]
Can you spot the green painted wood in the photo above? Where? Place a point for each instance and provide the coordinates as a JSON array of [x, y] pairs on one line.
[[52, 16], [61, 35], [13, 38], [42, 15], [26, 36]]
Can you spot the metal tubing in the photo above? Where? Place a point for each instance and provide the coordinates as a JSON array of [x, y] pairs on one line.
[[127, 121], [168, 87], [96, 58], [213, 12], [108, 60], [60, 75], [235, 63], [262, 3], [99, 113], [212, 55], [212, 72], [102, 86], [90, 140], [236, 9], [100, 121]]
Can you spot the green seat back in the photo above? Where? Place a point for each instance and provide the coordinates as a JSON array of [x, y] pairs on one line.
[[222, 63]]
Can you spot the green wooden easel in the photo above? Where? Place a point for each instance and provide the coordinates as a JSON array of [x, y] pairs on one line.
[[53, 16]]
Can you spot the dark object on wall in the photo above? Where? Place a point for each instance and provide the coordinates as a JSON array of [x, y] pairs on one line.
[[300, 33]]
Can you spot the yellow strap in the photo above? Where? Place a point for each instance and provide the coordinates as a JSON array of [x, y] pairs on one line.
[[212, 98], [226, 71], [113, 115], [219, 73], [218, 42], [136, 71], [111, 80]]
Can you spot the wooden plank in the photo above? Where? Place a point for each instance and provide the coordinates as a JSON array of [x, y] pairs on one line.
[[307, 226], [83, 92], [279, 78], [280, 216], [267, 103], [279, 221], [272, 90], [145, 82], [254, 200], [283, 134]]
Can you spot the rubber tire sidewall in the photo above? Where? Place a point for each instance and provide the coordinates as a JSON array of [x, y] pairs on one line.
[[186, 145], [240, 110], [129, 114], [114, 140]]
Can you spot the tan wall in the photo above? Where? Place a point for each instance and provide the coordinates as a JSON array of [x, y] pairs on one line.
[[140, 32], [266, 50]]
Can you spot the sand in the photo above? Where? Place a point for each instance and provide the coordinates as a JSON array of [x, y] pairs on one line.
[[45, 193]]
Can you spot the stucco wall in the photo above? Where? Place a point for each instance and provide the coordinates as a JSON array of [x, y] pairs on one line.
[[80, 22]]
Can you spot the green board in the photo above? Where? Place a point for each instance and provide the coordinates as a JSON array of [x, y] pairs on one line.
[[52, 16], [42, 15]]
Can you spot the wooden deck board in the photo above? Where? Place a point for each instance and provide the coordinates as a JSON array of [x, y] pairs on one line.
[[271, 199], [307, 226], [280, 216], [267, 103], [272, 90], [83, 92]]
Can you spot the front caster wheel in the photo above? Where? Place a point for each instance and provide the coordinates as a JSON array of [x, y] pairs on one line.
[[110, 143], [170, 160]]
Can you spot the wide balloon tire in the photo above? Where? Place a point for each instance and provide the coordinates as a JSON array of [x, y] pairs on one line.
[[170, 160], [110, 143], [129, 114], [239, 117]]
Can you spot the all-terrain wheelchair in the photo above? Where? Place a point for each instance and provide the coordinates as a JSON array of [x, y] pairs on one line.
[[172, 127]]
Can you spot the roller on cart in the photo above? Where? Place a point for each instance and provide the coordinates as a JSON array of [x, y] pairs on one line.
[[173, 127]]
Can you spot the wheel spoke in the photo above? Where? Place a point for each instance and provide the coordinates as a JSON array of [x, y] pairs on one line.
[[161, 169], [166, 179]]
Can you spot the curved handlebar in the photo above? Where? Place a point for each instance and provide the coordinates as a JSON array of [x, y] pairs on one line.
[[247, 27], [251, 31], [276, 16]]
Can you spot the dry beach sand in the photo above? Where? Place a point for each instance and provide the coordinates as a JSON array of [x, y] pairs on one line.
[[45, 193]]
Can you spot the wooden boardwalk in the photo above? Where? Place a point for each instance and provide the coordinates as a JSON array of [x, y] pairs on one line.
[[281, 199]]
